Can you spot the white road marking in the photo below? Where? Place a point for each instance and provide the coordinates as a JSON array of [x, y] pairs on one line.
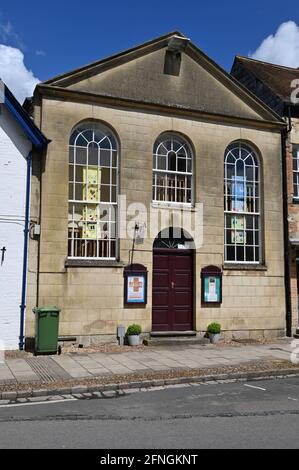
[[50, 402], [294, 399], [258, 388]]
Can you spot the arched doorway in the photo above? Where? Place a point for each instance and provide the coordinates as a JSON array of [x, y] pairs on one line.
[[172, 281]]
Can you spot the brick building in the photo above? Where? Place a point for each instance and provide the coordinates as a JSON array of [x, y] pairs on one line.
[[274, 85], [165, 127]]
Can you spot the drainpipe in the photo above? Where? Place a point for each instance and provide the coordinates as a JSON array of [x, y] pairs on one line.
[[287, 277], [25, 254]]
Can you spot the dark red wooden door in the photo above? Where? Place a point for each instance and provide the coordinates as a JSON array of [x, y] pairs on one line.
[[172, 290]]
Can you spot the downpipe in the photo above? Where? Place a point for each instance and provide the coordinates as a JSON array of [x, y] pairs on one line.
[[25, 254], [287, 277]]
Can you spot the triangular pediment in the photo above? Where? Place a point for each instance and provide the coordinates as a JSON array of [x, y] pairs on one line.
[[141, 74]]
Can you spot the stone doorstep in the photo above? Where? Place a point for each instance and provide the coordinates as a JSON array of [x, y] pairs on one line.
[[122, 389]]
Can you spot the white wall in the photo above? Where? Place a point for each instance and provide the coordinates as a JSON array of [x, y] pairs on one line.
[[14, 148]]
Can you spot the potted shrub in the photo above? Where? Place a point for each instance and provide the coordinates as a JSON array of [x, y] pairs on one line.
[[214, 332], [133, 334]]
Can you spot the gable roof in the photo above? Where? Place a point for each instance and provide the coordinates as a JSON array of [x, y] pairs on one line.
[[33, 133], [276, 78], [110, 61], [68, 80]]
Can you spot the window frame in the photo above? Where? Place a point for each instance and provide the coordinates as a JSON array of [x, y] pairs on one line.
[[255, 199], [295, 172], [109, 245], [190, 156]]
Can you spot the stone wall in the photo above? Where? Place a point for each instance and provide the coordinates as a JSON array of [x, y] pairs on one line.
[[91, 298]]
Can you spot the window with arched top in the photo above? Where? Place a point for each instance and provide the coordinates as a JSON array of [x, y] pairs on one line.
[[242, 205], [93, 191], [172, 170]]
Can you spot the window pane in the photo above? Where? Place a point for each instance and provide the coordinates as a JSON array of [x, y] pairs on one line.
[[79, 177], [250, 173], [230, 171], [249, 254], [105, 193], [88, 135], [80, 192], [230, 253], [240, 168], [240, 253], [104, 176], [105, 158], [182, 165], [71, 154], [81, 156], [249, 237], [71, 191], [113, 194], [71, 173], [172, 161], [80, 141], [93, 154], [231, 159], [249, 222], [161, 163]]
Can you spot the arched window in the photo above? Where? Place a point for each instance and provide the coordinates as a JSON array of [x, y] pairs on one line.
[[93, 175], [173, 170], [242, 205]]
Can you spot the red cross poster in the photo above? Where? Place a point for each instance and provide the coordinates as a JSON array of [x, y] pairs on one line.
[[136, 289]]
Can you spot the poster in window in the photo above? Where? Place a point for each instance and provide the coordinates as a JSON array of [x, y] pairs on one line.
[[90, 222], [239, 238], [238, 233], [238, 193], [136, 289], [92, 179]]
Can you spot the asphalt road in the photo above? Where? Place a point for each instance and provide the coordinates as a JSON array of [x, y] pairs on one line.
[[216, 416]]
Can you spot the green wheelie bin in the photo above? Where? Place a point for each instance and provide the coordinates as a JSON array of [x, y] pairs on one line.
[[46, 330]]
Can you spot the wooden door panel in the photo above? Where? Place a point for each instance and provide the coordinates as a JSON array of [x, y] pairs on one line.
[[182, 299], [160, 299]]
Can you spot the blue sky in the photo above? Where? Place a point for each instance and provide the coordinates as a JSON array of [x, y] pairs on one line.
[[58, 36]]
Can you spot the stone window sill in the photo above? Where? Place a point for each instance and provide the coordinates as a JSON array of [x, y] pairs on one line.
[[245, 267], [175, 206], [82, 263]]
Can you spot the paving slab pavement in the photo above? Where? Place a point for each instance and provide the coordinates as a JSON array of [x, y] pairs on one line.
[[164, 358]]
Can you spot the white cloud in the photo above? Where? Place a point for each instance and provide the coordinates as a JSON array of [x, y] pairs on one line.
[[15, 74], [40, 53], [8, 34], [282, 47]]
